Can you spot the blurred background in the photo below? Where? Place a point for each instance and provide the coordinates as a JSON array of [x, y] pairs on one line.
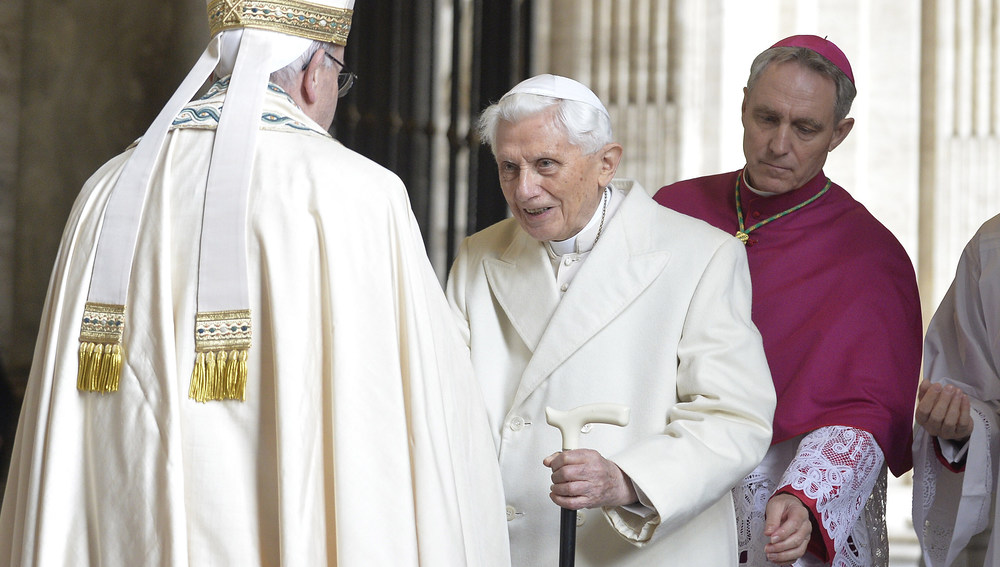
[[81, 79]]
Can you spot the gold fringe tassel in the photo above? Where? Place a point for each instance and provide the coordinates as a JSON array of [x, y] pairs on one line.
[[197, 378], [237, 375], [100, 368], [222, 340], [100, 363], [219, 375]]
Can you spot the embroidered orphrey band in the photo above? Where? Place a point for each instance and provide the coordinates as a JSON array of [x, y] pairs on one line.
[[101, 347], [293, 17], [222, 340]]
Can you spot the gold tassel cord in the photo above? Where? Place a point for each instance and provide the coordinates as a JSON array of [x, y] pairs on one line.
[[238, 375], [111, 367], [196, 392], [84, 372], [210, 392], [220, 374]]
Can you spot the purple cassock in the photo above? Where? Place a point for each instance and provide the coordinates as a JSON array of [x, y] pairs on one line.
[[835, 299]]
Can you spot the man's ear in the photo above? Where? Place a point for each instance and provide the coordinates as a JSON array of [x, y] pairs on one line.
[[840, 131], [310, 78], [611, 156]]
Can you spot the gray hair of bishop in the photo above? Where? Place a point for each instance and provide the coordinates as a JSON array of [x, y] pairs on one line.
[[846, 90], [586, 127], [285, 76]]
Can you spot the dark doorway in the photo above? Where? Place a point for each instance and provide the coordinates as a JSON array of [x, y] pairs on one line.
[[390, 116]]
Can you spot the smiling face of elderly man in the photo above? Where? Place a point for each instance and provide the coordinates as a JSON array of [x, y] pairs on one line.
[[551, 186]]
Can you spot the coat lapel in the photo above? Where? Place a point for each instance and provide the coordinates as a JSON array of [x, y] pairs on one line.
[[624, 263], [523, 284]]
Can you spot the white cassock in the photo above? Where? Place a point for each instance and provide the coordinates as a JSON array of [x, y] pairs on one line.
[[363, 439], [962, 348], [657, 318]]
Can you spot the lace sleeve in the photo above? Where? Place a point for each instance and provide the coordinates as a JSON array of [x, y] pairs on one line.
[[834, 472], [950, 508]]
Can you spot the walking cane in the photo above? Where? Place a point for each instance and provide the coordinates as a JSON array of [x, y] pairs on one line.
[[570, 423]]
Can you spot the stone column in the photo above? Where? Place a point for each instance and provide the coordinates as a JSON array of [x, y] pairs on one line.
[[960, 141], [623, 51]]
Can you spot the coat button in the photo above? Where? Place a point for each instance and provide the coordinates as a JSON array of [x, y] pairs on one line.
[[516, 423], [756, 214], [568, 261], [580, 519], [563, 287], [511, 512]]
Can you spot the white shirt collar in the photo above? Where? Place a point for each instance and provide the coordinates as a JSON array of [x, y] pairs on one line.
[[758, 192], [583, 241]]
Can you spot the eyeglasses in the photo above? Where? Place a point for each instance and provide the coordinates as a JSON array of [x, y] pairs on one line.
[[345, 79]]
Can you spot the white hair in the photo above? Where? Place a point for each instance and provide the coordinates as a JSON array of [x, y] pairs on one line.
[[285, 77], [586, 127]]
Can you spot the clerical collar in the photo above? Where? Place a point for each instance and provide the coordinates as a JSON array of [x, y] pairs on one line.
[[746, 183], [585, 240], [768, 205]]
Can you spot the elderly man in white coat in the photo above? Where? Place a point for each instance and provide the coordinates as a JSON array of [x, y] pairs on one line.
[[592, 293]]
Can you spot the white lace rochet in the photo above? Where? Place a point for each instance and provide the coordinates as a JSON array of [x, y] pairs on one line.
[[843, 471]]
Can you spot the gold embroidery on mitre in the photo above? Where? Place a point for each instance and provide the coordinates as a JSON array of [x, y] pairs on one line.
[[101, 347], [293, 17], [222, 340]]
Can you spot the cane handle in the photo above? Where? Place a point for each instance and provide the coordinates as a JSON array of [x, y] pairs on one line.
[[569, 422]]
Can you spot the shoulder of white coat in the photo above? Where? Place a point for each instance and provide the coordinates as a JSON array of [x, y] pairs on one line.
[[493, 240]]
